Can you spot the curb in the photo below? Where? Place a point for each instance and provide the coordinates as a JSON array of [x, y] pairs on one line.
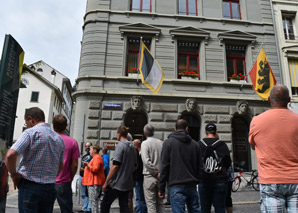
[[245, 202]]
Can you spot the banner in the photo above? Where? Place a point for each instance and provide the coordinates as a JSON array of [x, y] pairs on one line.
[[262, 76], [10, 74], [151, 72]]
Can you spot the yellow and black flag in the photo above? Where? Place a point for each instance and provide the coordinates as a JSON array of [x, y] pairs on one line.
[[262, 76], [151, 72]]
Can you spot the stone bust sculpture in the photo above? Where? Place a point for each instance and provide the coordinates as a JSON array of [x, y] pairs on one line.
[[242, 107], [136, 102], [191, 104]]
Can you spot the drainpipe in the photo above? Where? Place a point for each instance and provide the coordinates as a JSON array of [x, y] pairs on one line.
[[277, 43]]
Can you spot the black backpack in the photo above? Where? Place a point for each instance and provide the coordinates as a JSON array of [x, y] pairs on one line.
[[212, 163]]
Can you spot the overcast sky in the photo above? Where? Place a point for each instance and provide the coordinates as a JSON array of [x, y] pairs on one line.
[[48, 30]]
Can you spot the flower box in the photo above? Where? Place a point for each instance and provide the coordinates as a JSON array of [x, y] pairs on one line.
[[134, 75], [238, 81], [188, 78]]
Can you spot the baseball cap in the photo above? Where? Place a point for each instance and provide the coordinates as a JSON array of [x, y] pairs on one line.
[[210, 127]]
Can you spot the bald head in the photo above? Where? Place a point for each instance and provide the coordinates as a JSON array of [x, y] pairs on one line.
[[279, 96], [137, 144]]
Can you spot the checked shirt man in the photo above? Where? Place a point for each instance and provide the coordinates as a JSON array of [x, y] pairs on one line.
[[42, 152]]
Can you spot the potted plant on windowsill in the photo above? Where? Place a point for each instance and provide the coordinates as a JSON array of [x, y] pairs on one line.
[[189, 75], [133, 72], [238, 78]]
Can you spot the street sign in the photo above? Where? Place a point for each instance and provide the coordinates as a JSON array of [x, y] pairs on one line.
[[110, 145], [112, 106]]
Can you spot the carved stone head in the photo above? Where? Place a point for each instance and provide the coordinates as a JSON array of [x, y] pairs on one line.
[[242, 107], [136, 102], [191, 104]]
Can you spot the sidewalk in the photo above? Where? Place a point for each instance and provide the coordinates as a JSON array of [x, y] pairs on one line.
[[245, 196]]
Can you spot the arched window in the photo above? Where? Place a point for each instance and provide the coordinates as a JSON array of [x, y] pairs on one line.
[[135, 121], [241, 147], [194, 125]]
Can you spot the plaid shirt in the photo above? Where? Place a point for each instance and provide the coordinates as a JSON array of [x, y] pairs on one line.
[[41, 150]]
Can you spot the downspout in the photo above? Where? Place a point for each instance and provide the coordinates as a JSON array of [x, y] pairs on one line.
[[277, 43]]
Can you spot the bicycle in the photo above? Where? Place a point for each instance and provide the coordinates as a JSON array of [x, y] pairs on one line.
[[254, 180]]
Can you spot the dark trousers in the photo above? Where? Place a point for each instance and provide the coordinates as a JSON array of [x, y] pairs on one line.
[[36, 198], [110, 196], [213, 194], [64, 197]]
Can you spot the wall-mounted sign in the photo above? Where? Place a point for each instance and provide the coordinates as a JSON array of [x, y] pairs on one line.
[[110, 145], [112, 106]]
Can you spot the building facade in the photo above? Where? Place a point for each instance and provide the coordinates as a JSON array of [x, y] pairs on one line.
[[64, 85], [212, 41], [286, 23], [38, 92]]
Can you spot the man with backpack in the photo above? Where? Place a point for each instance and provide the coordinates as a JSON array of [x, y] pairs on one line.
[[216, 161]]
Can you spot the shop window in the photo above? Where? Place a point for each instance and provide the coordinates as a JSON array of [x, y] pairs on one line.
[[231, 9], [188, 7], [235, 60], [288, 27], [133, 53], [188, 59], [141, 5]]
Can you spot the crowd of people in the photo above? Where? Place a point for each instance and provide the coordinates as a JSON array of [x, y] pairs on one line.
[[196, 174]]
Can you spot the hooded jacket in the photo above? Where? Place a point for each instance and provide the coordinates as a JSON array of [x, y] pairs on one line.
[[181, 162]]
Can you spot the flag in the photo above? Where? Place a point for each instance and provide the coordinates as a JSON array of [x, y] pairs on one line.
[[262, 76], [151, 72]]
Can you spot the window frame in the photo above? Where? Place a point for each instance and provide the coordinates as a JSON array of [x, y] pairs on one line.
[[141, 6], [231, 9], [35, 92], [235, 59], [137, 51], [188, 55], [187, 8], [289, 17]]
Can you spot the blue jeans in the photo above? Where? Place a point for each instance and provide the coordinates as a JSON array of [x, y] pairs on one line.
[[278, 197], [64, 197], [213, 193], [181, 195], [140, 199], [36, 198], [86, 203]]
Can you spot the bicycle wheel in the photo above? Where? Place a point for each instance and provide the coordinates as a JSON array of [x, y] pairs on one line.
[[255, 183], [236, 184]]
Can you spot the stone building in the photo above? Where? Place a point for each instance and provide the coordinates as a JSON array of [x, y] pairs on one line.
[[215, 40], [286, 23]]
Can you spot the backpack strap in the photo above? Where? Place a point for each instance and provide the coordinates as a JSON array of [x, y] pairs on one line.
[[215, 143], [203, 142]]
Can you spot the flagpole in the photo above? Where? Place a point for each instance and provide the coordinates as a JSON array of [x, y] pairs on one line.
[[139, 58]]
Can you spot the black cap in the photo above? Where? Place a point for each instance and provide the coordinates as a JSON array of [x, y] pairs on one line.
[[210, 127]]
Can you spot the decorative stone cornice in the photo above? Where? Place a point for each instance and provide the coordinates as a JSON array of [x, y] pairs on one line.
[[237, 35], [190, 32], [139, 28]]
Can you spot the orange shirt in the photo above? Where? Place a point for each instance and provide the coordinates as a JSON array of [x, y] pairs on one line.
[[275, 135], [95, 174]]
